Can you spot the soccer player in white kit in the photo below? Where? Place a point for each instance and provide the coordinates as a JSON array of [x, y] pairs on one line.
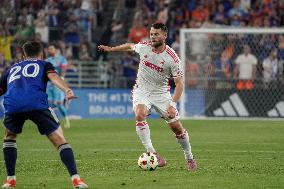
[[158, 62]]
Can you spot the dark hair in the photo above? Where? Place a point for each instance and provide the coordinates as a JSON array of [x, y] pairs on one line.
[[32, 48], [160, 26], [54, 44]]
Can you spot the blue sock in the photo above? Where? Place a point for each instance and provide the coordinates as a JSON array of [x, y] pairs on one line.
[[62, 110], [67, 158], [10, 156]]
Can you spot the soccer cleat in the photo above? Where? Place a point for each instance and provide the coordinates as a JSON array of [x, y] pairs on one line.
[[11, 183], [161, 161], [79, 183], [191, 165]]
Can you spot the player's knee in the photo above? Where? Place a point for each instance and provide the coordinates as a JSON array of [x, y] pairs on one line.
[[57, 138], [9, 136], [59, 141], [176, 127], [140, 116]]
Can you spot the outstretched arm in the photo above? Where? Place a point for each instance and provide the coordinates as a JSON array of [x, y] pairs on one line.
[[56, 80], [120, 48]]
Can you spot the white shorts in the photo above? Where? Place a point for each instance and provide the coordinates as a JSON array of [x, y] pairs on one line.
[[160, 102]]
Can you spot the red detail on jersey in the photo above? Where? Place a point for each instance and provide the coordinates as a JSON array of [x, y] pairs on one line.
[[152, 66], [162, 62], [173, 55], [179, 74], [145, 56]]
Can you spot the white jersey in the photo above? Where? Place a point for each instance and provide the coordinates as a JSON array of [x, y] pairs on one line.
[[246, 63], [155, 69]]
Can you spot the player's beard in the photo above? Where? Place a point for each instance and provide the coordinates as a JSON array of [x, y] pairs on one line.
[[157, 44]]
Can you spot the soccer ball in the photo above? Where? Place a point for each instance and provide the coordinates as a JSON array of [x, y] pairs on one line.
[[148, 161]]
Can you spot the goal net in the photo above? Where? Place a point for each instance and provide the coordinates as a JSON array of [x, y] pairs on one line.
[[232, 72]]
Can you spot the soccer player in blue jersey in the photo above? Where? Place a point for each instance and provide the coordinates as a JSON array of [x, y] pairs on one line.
[[55, 95], [24, 89]]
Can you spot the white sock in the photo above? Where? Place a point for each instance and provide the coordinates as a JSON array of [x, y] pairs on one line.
[[67, 122], [75, 176], [143, 131], [11, 177], [183, 140]]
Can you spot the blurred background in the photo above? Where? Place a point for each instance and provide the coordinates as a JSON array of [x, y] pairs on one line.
[[216, 85]]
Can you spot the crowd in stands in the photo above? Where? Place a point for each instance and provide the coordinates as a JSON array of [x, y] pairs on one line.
[[220, 57], [72, 24], [211, 13], [68, 22]]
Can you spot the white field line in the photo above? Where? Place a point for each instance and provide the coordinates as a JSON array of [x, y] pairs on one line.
[[127, 159], [45, 160], [141, 150], [201, 142], [234, 119]]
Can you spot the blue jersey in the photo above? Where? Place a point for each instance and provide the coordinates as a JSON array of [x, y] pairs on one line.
[[59, 63], [24, 85]]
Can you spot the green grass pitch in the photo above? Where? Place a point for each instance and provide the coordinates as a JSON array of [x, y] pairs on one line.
[[230, 154]]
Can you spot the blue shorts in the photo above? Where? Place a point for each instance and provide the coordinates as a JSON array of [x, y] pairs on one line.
[[46, 121], [55, 94]]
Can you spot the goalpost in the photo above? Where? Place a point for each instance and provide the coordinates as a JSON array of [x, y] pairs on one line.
[[211, 88]]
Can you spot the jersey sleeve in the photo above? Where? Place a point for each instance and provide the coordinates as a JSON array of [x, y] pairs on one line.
[[137, 47], [238, 59], [176, 70], [3, 83], [49, 68], [63, 62]]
